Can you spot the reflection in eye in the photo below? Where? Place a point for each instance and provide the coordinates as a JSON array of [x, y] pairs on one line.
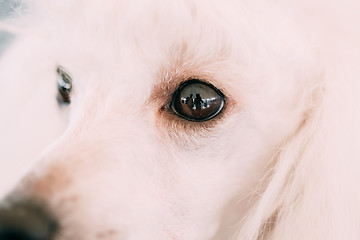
[[198, 101]]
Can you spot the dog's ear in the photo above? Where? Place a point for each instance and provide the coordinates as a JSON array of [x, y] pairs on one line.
[[312, 190]]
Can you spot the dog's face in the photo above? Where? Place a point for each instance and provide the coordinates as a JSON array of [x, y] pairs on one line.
[[139, 158]]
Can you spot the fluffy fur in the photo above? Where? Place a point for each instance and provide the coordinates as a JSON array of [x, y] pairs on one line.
[[281, 161]]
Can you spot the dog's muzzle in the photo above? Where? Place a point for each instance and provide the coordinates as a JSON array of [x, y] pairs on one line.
[[26, 221]]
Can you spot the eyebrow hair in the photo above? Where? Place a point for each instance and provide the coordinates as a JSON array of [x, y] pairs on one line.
[[169, 80], [183, 64]]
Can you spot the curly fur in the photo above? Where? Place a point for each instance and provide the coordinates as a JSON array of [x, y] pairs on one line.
[[281, 161]]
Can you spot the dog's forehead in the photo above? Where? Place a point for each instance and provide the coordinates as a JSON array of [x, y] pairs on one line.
[[150, 29], [138, 41], [118, 21]]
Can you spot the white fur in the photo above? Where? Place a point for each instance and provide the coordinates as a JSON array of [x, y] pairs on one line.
[[281, 162]]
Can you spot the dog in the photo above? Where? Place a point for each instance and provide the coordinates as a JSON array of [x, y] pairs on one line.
[[180, 120]]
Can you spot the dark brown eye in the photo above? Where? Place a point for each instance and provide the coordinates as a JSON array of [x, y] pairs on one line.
[[64, 85], [198, 101]]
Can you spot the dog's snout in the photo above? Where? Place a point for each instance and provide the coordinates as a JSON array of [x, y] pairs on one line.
[[26, 221]]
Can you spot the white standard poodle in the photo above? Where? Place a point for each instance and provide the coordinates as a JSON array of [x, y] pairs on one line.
[[180, 120]]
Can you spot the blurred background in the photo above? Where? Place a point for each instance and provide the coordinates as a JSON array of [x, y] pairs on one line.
[[6, 8]]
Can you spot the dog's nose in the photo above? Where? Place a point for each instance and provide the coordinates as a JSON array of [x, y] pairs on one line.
[[26, 221]]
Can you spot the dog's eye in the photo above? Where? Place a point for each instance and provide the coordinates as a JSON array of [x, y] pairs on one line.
[[197, 101], [64, 86]]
